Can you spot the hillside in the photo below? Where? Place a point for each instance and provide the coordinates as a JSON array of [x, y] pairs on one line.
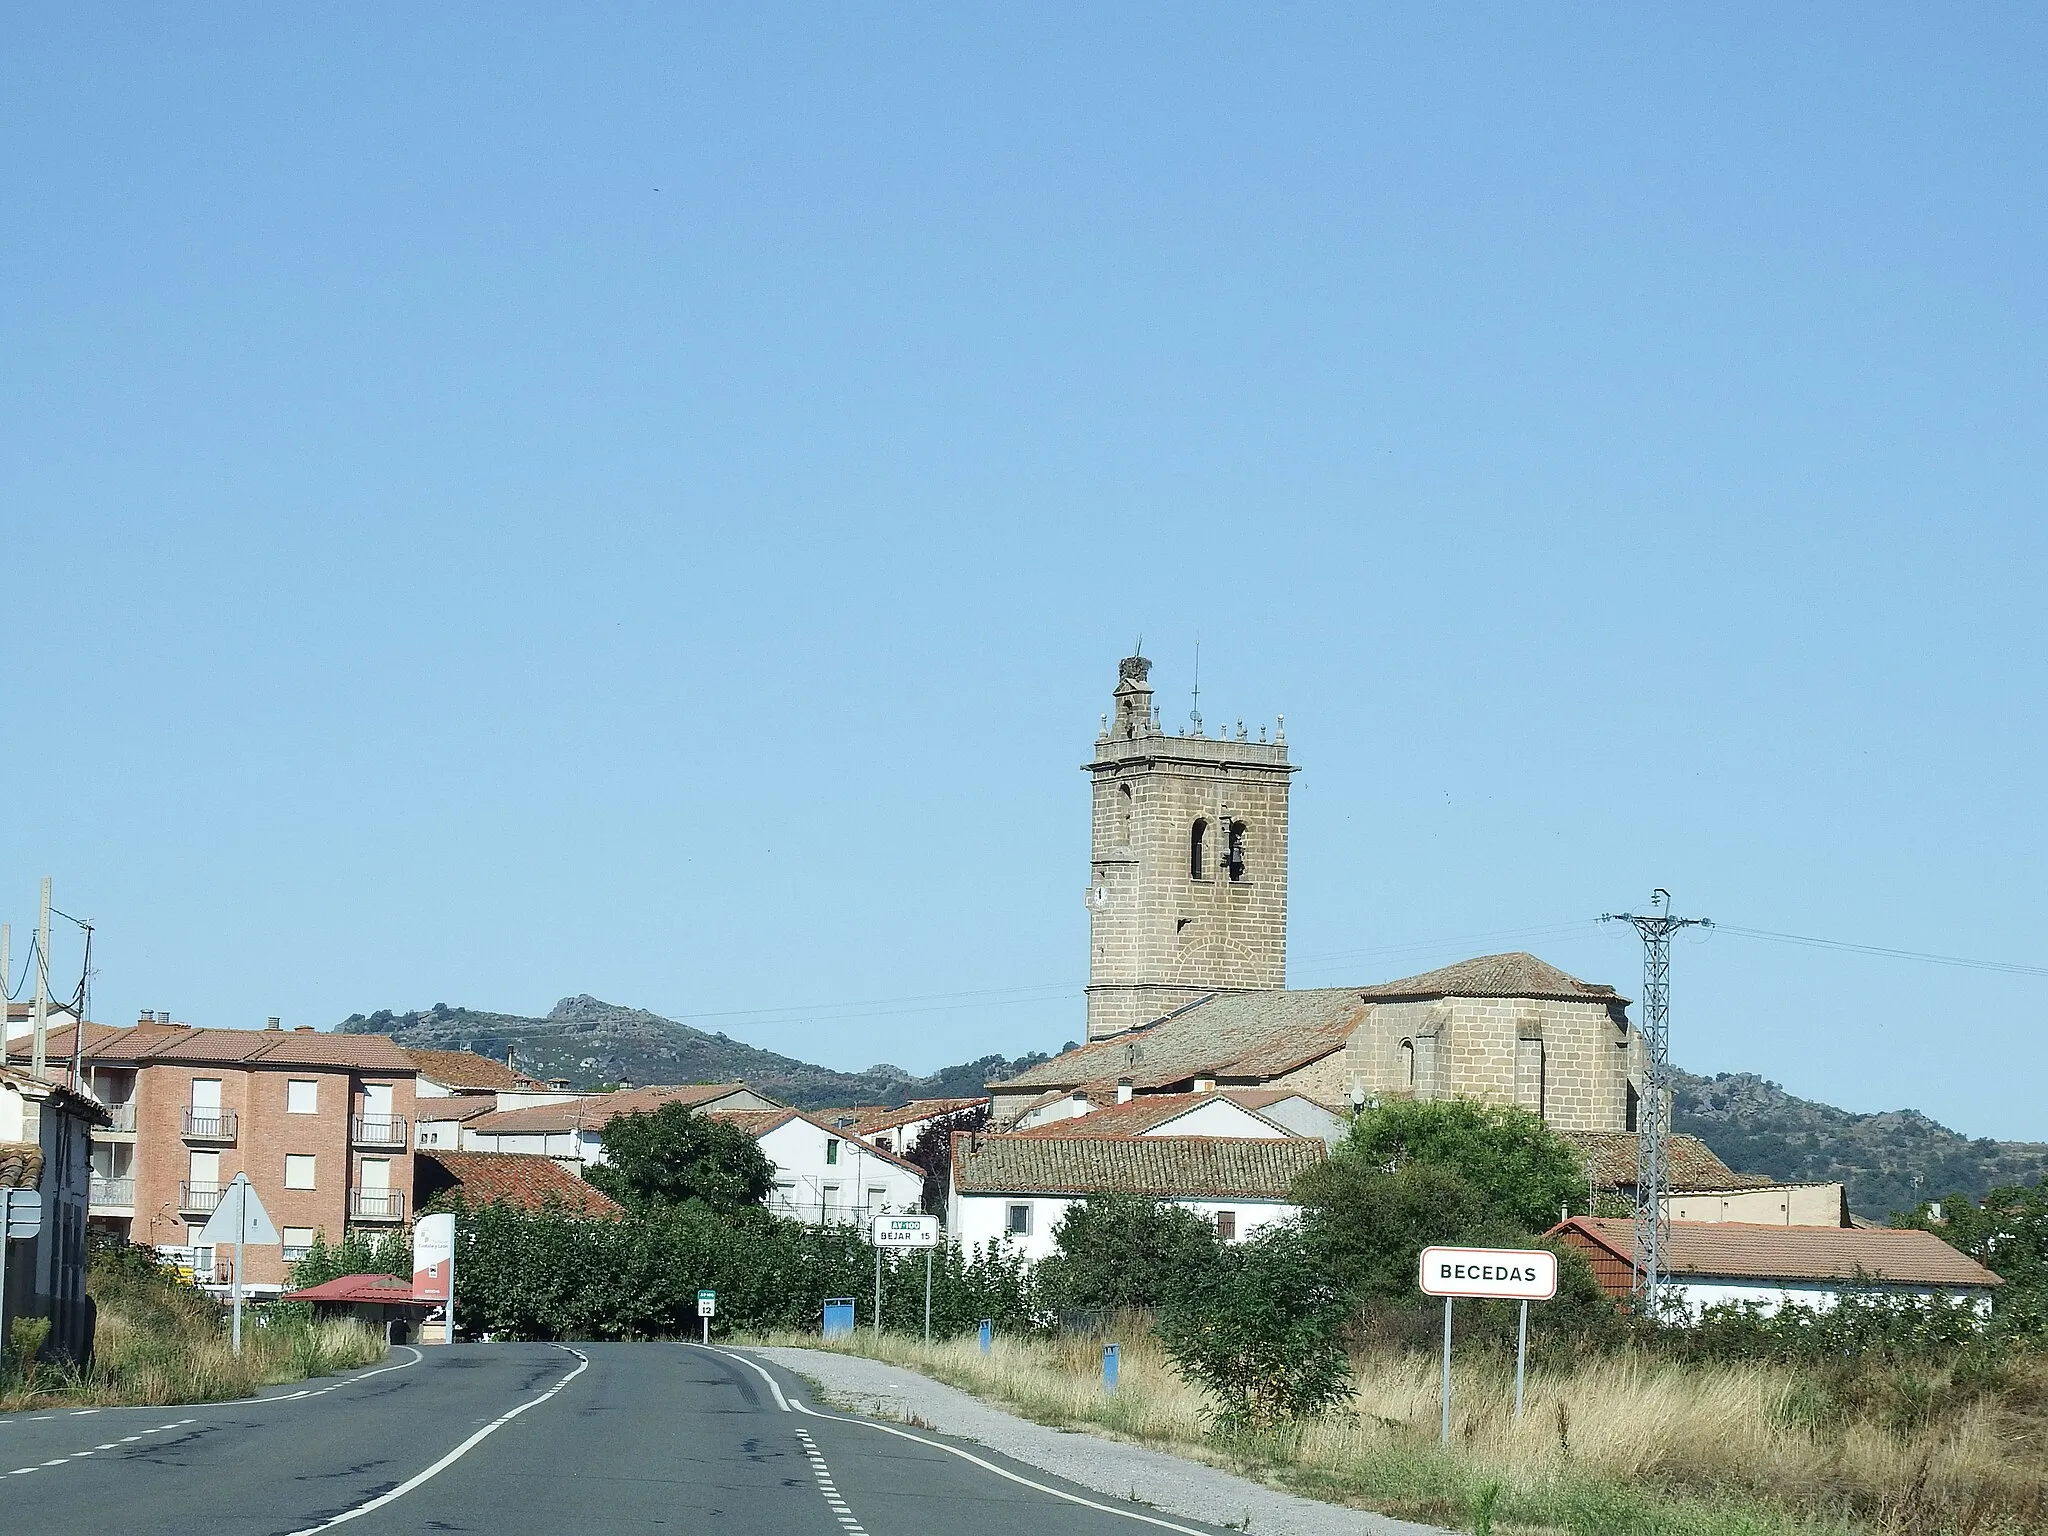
[[591, 1042], [1891, 1161]]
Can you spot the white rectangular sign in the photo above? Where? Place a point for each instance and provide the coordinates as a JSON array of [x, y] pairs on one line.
[[906, 1231], [433, 1258], [1500, 1274], [707, 1303]]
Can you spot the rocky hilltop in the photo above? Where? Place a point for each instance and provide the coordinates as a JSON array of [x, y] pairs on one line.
[[591, 1042]]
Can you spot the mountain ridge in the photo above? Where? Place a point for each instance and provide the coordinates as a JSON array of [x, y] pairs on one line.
[[1891, 1160]]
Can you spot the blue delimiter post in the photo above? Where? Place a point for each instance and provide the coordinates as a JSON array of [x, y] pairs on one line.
[[1109, 1354], [988, 1333]]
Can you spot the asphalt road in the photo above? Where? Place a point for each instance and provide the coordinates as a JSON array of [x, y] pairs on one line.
[[512, 1439]]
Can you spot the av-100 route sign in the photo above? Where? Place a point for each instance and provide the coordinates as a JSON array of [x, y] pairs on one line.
[[1500, 1274]]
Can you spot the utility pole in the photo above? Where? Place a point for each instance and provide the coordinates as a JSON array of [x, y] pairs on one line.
[[1653, 1111], [41, 1047]]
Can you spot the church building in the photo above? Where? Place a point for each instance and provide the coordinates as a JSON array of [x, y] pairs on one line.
[[1187, 963]]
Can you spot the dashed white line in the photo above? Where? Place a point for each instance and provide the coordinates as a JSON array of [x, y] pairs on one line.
[[58, 1461], [823, 1474]]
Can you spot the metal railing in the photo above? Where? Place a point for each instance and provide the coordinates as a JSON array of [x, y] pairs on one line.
[[378, 1130], [376, 1204], [198, 1197], [209, 1125], [110, 1191], [122, 1117]]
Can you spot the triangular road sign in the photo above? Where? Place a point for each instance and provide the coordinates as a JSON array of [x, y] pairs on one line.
[[238, 1207]]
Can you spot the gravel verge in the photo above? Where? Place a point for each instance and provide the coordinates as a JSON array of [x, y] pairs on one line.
[[1165, 1482]]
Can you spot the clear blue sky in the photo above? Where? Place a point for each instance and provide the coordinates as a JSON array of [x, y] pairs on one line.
[[511, 501]]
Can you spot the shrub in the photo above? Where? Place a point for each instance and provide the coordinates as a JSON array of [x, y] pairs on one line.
[[1522, 1169], [1259, 1331], [672, 1156], [1125, 1251]]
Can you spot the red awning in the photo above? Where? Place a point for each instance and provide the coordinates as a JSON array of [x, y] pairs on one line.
[[374, 1288]]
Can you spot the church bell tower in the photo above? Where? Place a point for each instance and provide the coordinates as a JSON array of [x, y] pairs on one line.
[[1189, 857]]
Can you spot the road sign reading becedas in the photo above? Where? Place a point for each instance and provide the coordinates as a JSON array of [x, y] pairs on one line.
[[1488, 1274]]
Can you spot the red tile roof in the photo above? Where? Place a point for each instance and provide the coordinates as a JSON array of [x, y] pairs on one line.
[[1161, 1166], [1610, 1156], [466, 1069], [1145, 1113], [593, 1112], [140, 1044], [455, 1106], [529, 1182], [1738, 1250], [362, 1288], [870, 1118]]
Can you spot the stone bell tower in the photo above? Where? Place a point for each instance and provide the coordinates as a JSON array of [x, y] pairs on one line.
[[1189, 856]]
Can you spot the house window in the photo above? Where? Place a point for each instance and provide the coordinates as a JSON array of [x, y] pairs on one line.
[[884, 1143], [1634, 1104], [1233, 851], [302, 1096], [831, 1150], [1226, 1226], [1408, 1062], [297, 1241], [878, 1198], [1198, 851], [298, 1170], [1019, 1223]]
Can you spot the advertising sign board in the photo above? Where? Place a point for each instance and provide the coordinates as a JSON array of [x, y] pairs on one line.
[[433, 1258]]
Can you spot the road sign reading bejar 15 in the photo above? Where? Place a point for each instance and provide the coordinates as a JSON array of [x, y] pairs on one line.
[[906, 1231], [1501, 1274]]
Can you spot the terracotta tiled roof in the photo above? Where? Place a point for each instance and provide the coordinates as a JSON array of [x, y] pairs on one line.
[[455, 1106], [365, 1288], [1510, 975], [593, 1112], [1736, 1250], [1691, 1166], [869, 1119], [466, 1069], [139, 1044], [21, 1165], [61, 1094], [1160, 1166], [505, 1178], [1147, 1112], [1247, 1035]]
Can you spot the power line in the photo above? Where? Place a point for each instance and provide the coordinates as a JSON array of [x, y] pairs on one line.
[[2007, 967]]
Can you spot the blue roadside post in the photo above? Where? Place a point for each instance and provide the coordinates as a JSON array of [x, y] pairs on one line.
[[988, 1333], [1109, 1361]]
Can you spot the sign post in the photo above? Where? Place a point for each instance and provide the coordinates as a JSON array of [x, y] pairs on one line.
[[433, 1267], [1496, 1274], [238, 1219], [707, 1308], [906, 1232]]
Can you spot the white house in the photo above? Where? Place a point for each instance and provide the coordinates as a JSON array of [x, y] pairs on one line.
[[572, 1130], [896, 1129], [824, 1175], [1014, 1189], [1775, 1266]]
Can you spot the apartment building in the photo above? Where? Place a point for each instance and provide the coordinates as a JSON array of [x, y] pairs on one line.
[[321, 1123]]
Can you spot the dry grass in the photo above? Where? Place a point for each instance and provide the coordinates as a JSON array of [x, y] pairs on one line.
[[160, 1342], [1620, 1443]]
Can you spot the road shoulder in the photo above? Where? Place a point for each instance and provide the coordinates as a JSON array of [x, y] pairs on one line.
[[1168, 1483]]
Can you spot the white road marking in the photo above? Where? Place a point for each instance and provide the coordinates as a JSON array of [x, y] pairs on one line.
[[460, 1451], [786, 1404], [837, 1505]]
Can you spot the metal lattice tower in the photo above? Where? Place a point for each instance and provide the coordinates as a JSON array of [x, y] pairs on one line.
[[1653, 1112]]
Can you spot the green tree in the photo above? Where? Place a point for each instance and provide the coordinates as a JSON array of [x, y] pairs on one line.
[[672, 1156], [1125, 1251], [2006, 1232], [1523, 1169], [1369, 1226], [1260, 1332], [358, 1253]]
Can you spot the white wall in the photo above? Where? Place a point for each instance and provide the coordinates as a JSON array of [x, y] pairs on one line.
[[1820, 1295], [1219, 1117], [977, 1220], [1305, 1117], [858, 1184]]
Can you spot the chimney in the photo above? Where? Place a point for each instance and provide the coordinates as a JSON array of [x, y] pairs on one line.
[[1123, 1090], [302, 1029], [146, 1018], [273, 1025]]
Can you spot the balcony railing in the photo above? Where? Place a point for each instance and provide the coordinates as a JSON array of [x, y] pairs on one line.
[[122, 1116], [376, 1204], [378, 1130], [108, 1191], [199, 1199], [209, 1125]]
